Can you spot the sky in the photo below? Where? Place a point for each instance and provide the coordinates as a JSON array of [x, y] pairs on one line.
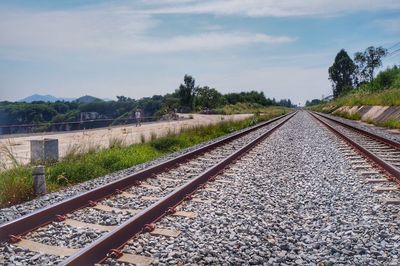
[[70, 48]]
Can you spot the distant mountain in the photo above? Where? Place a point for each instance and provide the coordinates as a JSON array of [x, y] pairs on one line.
[[87, 99], [38, 97], [51, 98]]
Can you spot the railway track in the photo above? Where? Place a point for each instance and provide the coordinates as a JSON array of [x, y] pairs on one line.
[[98, 223], [383, 154]]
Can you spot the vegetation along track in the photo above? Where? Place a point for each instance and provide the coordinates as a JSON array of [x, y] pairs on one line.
[[128, 206], [383, 153]]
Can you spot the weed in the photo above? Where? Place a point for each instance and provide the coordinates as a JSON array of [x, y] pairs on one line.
[[153, 136], [352, 116], [390, 123], [116, 142], [7, 153], [142, 138], [15, 185]]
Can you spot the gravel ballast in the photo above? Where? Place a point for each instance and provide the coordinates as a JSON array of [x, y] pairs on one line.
[[294, 199]]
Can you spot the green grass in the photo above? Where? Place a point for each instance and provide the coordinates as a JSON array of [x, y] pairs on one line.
[[390, 123], [16, 183], [352, 116], [246, 108], [389, 97]]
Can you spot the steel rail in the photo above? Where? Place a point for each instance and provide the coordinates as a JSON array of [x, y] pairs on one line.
[[392, 170], [364, 132], [97, 251], [48, 214]]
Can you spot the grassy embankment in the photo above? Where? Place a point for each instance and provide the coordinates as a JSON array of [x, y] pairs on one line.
[[383, 91], [246, 108], [76, 167]]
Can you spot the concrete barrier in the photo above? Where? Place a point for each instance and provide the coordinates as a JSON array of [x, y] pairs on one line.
[[44, 151]]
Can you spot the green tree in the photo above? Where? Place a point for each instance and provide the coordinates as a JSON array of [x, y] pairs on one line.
[[186, 93], [367, 62], [207, 98], [341, 73]]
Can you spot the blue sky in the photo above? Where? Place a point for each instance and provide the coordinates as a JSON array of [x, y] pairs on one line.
[[140, 48]]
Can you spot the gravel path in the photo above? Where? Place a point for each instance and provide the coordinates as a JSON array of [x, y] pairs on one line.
[[384, 132], [294, 199]]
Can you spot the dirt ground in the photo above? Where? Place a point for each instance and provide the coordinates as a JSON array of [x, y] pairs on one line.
[[19, 146]]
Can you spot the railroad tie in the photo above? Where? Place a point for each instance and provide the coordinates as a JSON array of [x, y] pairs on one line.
[[112, 209], [362, 166], [135, 259], [210, 189], [167, 179], [199, 200], [190, 215], [47, 249], [79, 224], [376, 180], [223, 181], [149, 187], [150, 198], [165, 232], [385, 189], [368, 173], [394, 201], [106, 208]]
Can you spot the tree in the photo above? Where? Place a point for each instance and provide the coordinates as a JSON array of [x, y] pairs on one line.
[[341, 73], [286, 103], [313, 102], [247, 97], [368, 61], [186, 92], [207, 98]]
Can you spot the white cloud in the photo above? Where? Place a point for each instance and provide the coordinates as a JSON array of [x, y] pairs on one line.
[[280, 8], [205, 41], [71, 29], [117, 30]]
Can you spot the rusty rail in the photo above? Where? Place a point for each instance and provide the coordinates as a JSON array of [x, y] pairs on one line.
[[386, 166], [48, 214], [98, 250]]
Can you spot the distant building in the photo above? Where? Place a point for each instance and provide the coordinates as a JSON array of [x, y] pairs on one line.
[[89, 116]]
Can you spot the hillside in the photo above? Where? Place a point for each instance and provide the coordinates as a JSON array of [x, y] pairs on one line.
[[38, 98], [87, 99]]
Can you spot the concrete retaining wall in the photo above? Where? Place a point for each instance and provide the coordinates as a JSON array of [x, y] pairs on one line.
[[372, 113]]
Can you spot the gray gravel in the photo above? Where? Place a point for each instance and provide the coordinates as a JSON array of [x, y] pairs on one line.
[[384, 132], [15, 256], [60, 234], [294, 200]]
